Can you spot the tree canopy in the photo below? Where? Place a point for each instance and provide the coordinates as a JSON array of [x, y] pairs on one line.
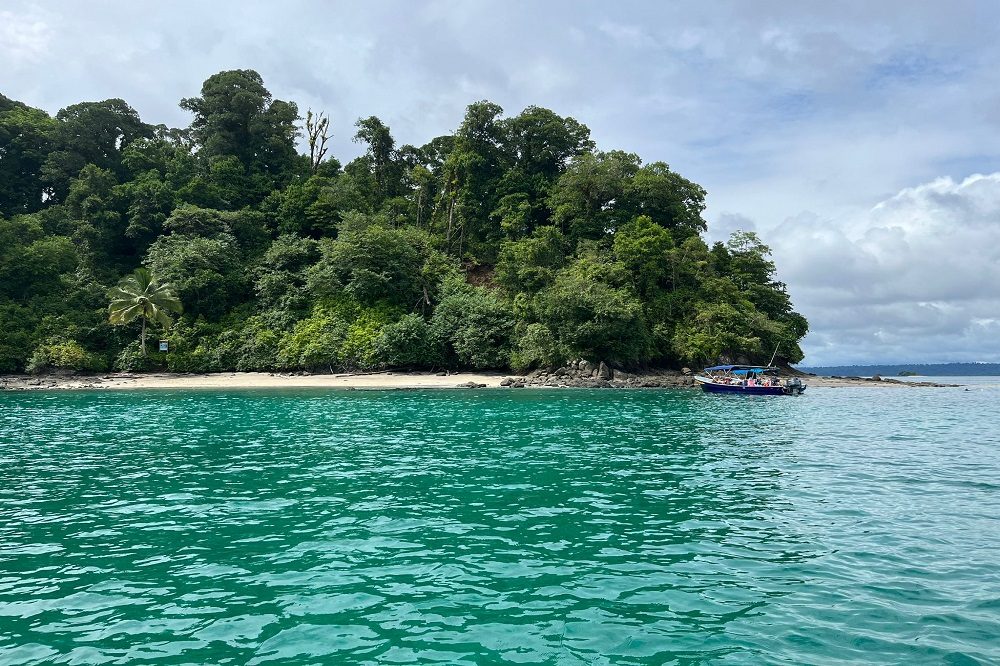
[[512, 242]]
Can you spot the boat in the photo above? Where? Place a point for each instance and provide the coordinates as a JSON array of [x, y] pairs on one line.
[[747, 380]]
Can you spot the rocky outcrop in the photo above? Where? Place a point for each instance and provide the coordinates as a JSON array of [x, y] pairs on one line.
[[588, 374]]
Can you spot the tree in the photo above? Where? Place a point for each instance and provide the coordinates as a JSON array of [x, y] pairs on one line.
[[25, 142], [236, 117], [141, 295], [471, 174], [95, 133], [381, 155], [317, 132], [585, 202], [594, 313], [644, 248], [667, 198]]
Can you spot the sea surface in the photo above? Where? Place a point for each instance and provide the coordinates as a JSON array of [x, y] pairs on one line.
[[849, 525]]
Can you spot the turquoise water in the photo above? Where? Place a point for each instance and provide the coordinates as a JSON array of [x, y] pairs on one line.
[[485, 527]]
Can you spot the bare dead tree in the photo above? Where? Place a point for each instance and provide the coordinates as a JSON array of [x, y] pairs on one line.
[[317, 128]]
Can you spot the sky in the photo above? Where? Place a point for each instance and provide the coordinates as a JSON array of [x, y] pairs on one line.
[[860, 140]]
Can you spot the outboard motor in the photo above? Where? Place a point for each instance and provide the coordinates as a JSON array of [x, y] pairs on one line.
[[793, 386]]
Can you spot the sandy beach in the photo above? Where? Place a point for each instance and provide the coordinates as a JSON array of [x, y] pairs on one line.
[[380, 380], [252, 380]]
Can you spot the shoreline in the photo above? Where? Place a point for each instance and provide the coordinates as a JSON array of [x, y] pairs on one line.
[[391, 380]]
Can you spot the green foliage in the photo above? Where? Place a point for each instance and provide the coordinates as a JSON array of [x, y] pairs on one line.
[[407, 343], [90, 133], [64, 355], [236, 117], [644, 248], [373, 263], [537, 347], [595, 313], [530, 264], [26, 138], [204, 272], [473, 325], [134, 358], [251, 345], [340, 334], [510, 242], [585, 201], [667, 199]]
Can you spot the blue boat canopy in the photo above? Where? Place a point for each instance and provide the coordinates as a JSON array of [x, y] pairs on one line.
[[741, 369]]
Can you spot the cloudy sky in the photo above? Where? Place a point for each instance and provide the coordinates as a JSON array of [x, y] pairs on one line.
[[861, 140]]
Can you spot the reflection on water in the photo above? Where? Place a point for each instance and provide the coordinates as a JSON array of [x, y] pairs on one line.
[[499, 526]]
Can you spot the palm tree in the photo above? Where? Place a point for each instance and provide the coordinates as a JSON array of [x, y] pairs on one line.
[[140, 295]]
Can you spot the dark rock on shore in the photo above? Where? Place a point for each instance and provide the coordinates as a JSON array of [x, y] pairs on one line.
[[585, 374]]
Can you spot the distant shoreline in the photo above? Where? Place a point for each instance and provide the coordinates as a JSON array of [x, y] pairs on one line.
[[380, 380], [956, 369]]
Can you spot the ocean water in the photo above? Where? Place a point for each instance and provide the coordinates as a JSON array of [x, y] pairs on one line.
[[850, 525]]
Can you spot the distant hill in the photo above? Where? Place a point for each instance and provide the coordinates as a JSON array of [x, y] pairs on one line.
[[924, 369]]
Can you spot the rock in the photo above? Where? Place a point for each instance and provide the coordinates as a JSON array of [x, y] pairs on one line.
[[585, 367], [517, 385], [506, 381], [441, 374], [560, 372], [876, 378], [686, 371], [471, 385], [604, 372]]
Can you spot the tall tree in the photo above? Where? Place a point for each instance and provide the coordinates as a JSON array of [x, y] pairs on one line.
[[95, 133], [586, 200], [141, 295], [382, 157], [235, 116], [26, 136], [472, 173]]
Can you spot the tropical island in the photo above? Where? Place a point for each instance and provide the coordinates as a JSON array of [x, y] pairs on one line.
[[513, 244]]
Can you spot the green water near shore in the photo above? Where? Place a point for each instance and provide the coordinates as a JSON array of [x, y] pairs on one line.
[[562, 527]]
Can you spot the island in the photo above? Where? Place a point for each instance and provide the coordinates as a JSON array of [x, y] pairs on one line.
[[239, 244]]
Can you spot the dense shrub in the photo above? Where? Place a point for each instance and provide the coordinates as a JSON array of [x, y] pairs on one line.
[[537, 347], [407, 343], [131, 359], [65, 355], [473, 325]]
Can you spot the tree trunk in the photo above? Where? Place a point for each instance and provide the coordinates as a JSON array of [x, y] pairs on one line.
[[451, 213], [143, 343]]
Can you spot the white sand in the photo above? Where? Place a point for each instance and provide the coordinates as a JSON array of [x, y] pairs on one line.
[[380, 380], [248, 380]]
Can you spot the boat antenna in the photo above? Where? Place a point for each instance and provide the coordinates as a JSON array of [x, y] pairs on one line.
[[774, 354]]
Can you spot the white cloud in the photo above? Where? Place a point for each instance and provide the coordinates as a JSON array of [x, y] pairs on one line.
[[775, 108], [917, 277], [24, 38]]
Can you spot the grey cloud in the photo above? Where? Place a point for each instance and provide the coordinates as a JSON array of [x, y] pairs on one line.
[[917, 277], [775, 108]]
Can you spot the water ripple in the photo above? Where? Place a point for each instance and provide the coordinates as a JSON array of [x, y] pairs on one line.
[[565, 527]]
